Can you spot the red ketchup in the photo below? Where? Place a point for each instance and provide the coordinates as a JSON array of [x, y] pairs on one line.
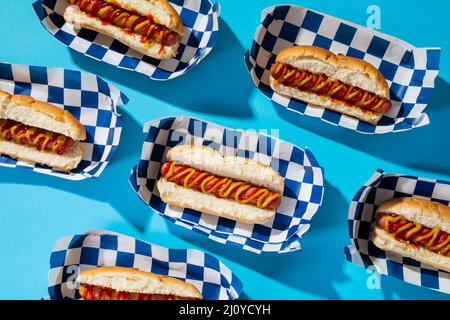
[[90, 292], [420, 237], [40, 139], [217, 183]]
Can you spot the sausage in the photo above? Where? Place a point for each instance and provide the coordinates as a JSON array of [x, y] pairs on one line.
[[215, 185], [385, 107], [335, 89], [171, 38]]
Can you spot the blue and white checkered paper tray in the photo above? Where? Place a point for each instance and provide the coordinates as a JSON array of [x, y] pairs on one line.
[[409, 71], [302, 194], [74, 254], [382, 187], [201, 26], [90, 99]]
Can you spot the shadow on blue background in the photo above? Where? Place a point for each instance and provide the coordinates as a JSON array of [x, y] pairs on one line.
[[114, 179], [414, 148], [111, 187], [190, 86], [313, 270], [318, 268]]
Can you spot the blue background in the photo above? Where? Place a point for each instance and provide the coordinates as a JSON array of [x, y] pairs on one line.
[[36, 210]]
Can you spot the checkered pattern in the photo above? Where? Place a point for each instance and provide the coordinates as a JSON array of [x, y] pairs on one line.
[[200, 19], [74, 254], [302, 194], [90, 99], [409, 71], [382, 187]]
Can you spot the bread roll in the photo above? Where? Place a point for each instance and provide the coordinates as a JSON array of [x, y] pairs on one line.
[[28, 111], [160, 10]]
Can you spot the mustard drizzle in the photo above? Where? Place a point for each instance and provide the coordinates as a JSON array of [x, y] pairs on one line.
[[27, 133], [337, 86], [223, 188], [442, 248]]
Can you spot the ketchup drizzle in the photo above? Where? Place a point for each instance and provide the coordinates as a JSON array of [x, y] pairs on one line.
[[26, 135], [393, 227], [218, 182]]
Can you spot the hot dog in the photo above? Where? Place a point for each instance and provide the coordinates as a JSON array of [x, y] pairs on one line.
[[344, 84], [414, 228], [152, 27], [200, 178], [119, 283], [37, 131], [42, 140]]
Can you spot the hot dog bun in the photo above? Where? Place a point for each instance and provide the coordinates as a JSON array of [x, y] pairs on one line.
[[134, 280], [28, 111], [429, 214], [161, 10], [353, 71], [238, 168]]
